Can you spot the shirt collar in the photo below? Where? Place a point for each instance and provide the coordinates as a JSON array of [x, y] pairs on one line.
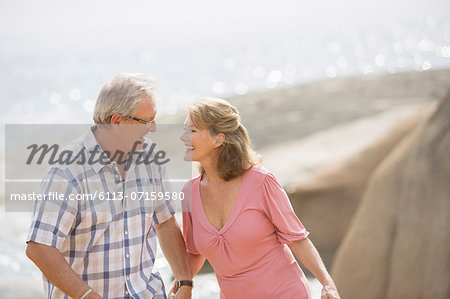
[[90, 142]]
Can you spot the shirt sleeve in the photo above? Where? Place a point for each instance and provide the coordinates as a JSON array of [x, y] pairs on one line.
[[278, 209], [164, 208], [188, 229], [188, 233], [54, 216]]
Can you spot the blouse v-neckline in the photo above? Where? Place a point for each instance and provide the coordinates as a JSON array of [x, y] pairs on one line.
[[234, 210]]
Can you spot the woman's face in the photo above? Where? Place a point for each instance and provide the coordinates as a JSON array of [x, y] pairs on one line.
[[200, 145]]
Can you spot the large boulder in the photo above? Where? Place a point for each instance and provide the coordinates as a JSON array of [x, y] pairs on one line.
[[327, 201], [398, 243]]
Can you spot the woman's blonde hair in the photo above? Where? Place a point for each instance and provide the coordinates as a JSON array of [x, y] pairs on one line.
[[235, 155]]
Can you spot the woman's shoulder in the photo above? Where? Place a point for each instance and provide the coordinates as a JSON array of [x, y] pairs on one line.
[[193, 181], [259, 170], [189, 192], [259, 173]]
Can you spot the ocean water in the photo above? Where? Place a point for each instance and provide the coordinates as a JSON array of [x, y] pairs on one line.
[[53, 73]]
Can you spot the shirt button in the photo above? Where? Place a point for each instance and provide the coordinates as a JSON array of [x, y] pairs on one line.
[[126, 293], [128, 277], [126, 232], [127, 255]]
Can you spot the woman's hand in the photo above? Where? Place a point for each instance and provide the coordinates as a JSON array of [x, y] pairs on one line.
[[305, 251], [329, 291]]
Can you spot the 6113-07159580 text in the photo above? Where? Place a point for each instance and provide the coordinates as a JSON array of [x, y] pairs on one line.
[[34, 196]]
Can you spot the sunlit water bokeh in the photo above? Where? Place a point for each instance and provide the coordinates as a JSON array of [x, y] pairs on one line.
[[58, 83]]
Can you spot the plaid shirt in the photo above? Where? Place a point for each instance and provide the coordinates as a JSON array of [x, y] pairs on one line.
[[110, 244]]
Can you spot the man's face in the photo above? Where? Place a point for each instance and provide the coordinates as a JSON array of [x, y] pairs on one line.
[[135, 130]]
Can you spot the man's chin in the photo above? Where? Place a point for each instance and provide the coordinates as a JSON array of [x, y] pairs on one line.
[[140, 143], [136, 144]]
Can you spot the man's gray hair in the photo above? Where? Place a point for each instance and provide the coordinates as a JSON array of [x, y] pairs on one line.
[[122, 95]]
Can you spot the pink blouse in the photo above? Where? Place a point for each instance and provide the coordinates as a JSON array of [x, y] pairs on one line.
[[249, 254]]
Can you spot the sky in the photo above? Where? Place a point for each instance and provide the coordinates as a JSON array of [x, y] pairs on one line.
[[164, 20]]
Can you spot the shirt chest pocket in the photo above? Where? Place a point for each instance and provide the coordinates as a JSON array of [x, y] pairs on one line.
[[97, 213]]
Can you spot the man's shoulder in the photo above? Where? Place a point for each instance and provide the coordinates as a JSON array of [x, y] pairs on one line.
[[69, 160]]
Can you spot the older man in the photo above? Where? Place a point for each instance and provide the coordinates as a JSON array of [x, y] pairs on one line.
[[106, 248]]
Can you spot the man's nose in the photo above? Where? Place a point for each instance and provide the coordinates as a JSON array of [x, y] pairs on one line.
[[151, 127]]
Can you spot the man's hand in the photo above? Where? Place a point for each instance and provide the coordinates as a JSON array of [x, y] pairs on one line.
[[53, 265], [94, 296], [183, 292]]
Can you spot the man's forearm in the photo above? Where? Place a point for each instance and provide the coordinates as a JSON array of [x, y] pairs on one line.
[[174, 249], [195, 262], [53, 265]]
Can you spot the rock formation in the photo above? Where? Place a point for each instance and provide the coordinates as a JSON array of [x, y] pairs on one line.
[[398, 243], [327, 201]]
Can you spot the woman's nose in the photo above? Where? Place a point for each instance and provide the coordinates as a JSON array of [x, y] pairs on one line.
[[182, 136]]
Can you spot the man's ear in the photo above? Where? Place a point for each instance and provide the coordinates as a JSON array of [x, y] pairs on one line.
[[116, 118], [219, 140]]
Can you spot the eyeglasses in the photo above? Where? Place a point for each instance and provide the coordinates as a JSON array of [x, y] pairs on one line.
[[145, 122]]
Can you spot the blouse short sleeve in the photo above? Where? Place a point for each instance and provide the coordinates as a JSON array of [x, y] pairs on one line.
[[188, 233], [188, 230], [163, 209], [278, 209]]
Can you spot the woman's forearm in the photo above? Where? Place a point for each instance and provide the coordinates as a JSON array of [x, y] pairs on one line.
[[308, 255]]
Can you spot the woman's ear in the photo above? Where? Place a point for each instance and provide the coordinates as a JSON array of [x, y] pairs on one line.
[[219, 140]]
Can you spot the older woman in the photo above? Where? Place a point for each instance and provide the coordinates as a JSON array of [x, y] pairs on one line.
[[239, 216]]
